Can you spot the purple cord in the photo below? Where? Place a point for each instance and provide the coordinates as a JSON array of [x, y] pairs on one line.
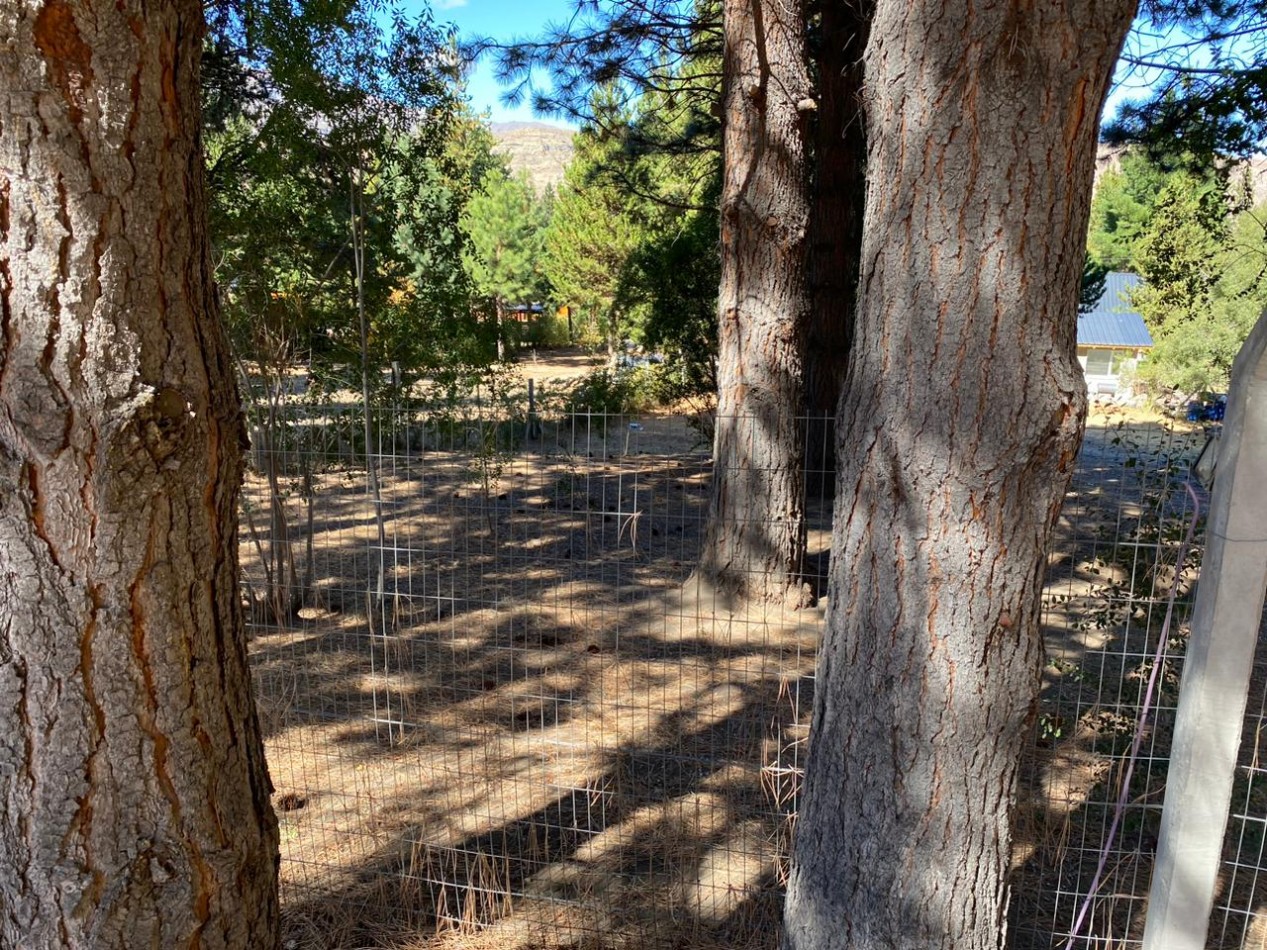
[[1120, 808]]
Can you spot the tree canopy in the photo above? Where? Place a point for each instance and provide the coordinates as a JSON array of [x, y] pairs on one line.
[[342, 163], [1207, 62], [506, 224], [1187, 230]]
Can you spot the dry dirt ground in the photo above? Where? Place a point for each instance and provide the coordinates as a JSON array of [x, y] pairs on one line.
[[526, 736]]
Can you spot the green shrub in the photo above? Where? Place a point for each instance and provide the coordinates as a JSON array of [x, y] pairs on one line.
[[548, 330], [603, 392], [628, 390]]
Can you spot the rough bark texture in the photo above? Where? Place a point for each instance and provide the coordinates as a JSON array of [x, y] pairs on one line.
[[134, 800], [835, 226], [756, 532], [958, 430]]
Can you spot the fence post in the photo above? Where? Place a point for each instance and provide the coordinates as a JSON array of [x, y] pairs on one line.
[[532, 427], [1215, 684]]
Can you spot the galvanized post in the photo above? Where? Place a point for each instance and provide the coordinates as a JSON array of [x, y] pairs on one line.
[[1215, 684]]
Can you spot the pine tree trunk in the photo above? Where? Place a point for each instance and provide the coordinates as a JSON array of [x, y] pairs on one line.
[[134, 798], [835, 227], [756, 533], [958, 432]]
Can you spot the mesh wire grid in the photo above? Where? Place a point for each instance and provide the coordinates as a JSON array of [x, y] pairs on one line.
[[493, 720]]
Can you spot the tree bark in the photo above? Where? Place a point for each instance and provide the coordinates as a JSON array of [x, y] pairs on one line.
[[134, 798], [835, 227], [957, 435], [756, 530]]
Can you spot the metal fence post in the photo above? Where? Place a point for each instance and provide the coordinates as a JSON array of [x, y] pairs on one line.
[[1212, 695]]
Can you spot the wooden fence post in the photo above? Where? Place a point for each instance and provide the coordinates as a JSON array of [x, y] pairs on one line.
[[1215, 684]]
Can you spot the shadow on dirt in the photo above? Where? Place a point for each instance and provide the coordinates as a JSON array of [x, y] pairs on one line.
[[531, 740]]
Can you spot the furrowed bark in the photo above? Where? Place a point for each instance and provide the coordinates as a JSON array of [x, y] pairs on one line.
[[134, 798], [756, 534], [957, 436]]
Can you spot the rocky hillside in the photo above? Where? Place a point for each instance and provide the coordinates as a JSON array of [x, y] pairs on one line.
[[540, 149], [1109, 158]]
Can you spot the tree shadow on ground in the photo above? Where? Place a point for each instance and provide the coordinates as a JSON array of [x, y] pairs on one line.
[[541, 743], [624, 823], [1109, 583], [541, 746]]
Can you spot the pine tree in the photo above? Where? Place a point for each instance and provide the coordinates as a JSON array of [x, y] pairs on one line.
[[957, 434], [506, 225], [136, 796], [593, 234]]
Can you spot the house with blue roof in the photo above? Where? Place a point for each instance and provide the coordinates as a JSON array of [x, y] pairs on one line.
[[1112, 337]]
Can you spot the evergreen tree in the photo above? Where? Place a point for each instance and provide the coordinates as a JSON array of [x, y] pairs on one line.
[[1206, 286], [672, 162], [1178, 254], [136, 795], [1170, 219], [1122, 209], [505, 222], [1209, 98], [1093, 285], [630, 48], [957, 433], [677, 270], [593, 233], [430, 197]]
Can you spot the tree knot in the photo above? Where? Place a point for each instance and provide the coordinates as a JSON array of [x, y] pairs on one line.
[[162, 424]]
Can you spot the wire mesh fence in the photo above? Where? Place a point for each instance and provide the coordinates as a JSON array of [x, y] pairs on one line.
[[1113, 579], [1240, 910], [494, 719]]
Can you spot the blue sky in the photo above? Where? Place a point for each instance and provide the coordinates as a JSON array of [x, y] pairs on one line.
[[502, 20]]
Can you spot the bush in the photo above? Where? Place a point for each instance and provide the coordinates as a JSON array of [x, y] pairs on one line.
[[627, 390], [603, 392], [548, 330]]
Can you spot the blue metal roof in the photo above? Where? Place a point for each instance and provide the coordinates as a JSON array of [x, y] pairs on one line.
[[1113, 322]]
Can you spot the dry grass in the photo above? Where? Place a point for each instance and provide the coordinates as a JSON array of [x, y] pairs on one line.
[[536, 741]]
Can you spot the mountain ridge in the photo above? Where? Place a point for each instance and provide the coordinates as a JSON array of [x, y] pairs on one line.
[[540, 150]]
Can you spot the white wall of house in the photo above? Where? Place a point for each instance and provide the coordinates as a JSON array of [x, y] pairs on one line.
[[1104, 367]]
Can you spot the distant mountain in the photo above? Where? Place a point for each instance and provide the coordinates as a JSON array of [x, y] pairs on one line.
[[538, 148]]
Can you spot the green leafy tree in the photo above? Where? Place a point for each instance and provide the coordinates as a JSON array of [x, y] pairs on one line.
[[1170, 218], [645, 77], [1207, 285], [313, 117], [1207, 102], [594, 231], [678, 270], [506, 224], [276, 238], [1122, 209]]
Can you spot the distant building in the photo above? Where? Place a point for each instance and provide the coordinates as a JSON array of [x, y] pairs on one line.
[[525, 312], [1112, 338]]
